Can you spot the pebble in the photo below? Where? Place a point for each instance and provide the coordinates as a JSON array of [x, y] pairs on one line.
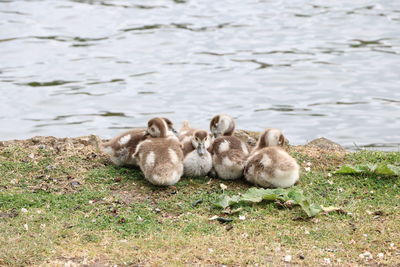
[[327, 260], [287, 258], [365, 255]]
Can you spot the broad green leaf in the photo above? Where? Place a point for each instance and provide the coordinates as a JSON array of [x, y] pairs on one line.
[[385, 169], [367, 167], [296, 195], [225, 201], [256, 195], [310, 209], [381, 169], [346, 169]]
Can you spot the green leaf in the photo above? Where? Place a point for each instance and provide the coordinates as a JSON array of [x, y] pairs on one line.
[[381, 169], [226, 201], [385, 169], [310, 209], [346, 169], [256, 195], [296, 195]]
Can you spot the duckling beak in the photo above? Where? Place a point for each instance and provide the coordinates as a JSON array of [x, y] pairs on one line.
[[201, 150], [215, 134], [174, 131]]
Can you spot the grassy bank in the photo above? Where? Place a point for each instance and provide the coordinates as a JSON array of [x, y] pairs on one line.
[[61, 202]]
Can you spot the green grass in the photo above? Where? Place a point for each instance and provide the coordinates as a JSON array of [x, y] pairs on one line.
[[82, 209]]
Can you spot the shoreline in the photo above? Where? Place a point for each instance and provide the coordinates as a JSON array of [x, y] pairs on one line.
[[250, 137]]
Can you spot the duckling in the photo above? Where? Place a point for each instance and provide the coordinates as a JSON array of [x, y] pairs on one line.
[[229, 152], [269, 165], [160, 159], [222, 125], [121, 148], [197, 159]]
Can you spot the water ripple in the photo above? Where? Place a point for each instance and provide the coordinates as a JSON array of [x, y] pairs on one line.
[[103, 66]]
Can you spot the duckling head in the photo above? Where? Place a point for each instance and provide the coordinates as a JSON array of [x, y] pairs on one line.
[[157, 127], [160, 127], [222, 125], [201, 141], [270, 137], [170, 126]]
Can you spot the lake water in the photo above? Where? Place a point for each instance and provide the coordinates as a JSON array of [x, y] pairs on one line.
[[311, 68]]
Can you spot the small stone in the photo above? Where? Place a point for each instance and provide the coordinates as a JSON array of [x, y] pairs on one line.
[[380, 255], [42, 226], [308, 164], [75, 183], [26, 227], [307, 169], [329, 174], [32, 156], [14, 181], [287, 258], [210, 250], [330, 182], [301, 257], [327, 260], [242, 218], [366, 255], [24, 210], [306, 232], [140, 219]]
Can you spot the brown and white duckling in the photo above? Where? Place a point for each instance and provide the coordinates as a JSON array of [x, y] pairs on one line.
[[269, 165], [121, 148], [222, 125], [160, 159], [197, 159], [229, 152]]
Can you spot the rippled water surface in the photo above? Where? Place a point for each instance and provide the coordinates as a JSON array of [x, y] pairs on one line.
[[311, 68]]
